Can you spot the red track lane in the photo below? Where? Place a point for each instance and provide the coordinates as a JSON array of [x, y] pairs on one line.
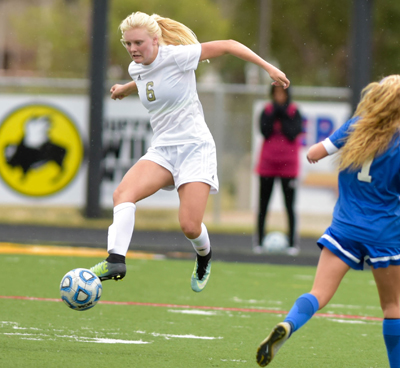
[[225, 309]]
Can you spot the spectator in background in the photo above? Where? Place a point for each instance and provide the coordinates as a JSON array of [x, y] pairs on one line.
[[280, 124]]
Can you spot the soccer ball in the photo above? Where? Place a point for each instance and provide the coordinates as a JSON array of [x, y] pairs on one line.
[[80, 289], [275, 242]]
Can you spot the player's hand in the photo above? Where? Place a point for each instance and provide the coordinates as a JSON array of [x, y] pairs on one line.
[[311, 161], [118, 92], [279, 78]]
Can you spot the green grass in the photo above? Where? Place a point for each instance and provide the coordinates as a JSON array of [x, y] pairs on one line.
[[48, 334]]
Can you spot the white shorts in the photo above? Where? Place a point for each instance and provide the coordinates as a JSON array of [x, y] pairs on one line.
[[188, 163]]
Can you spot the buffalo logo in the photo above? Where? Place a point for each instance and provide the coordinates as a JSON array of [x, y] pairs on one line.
[[35, 148], [40, 150]]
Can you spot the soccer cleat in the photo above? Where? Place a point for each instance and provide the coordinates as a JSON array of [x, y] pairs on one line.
[[270, 346], [201, 272], [109, 271]]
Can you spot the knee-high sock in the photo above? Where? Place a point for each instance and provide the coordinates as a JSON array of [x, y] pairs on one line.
[[302, 311], [202, 243], [391, 335], [120, 231]]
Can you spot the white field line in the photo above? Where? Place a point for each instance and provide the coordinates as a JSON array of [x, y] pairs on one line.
[[40, 336]]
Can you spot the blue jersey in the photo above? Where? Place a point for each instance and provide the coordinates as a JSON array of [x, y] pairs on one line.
[[368, 207]]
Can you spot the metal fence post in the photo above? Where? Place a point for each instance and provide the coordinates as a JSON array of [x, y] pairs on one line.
[[220, 116], [361, 47], [97, 83]]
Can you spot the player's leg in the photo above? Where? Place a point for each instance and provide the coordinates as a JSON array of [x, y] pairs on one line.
[[193, 200], [388, 284], [289, 193], [330, 271], [142, 180], [266, 186]]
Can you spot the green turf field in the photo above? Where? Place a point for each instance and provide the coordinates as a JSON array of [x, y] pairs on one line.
[[45, 333]]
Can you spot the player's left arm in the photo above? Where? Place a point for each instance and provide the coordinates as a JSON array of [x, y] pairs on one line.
[[213, 49]]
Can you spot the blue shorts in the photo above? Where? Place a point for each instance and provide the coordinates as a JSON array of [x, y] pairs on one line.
[[355, 253]]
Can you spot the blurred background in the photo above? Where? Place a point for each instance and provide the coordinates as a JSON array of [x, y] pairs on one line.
[[58, 56]]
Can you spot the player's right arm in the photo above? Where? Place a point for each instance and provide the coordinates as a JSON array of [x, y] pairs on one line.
[[120, 91], [325, 148], [316, 152], [332, 144]]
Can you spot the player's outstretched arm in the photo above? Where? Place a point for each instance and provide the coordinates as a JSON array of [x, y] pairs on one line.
[[213, 49], [316, 152], [120, 91]]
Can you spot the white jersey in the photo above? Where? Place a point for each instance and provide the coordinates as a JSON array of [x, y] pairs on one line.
[[167, 89]]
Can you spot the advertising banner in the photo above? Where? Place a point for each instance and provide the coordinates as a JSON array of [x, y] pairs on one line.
[[43, 145]]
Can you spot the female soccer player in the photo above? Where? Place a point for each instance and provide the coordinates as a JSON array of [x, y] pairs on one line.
[[182, 155], [366, 218]]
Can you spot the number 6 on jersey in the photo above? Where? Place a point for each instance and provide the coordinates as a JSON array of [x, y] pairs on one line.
[[150, 92]]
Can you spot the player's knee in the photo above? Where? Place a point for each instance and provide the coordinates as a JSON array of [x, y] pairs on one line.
[[121, 196], [390, 309], [191, 229], [117, 195]]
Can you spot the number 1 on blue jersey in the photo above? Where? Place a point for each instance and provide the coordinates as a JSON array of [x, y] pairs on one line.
[[363, 175]]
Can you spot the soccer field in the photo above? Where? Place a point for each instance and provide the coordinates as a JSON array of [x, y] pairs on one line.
[[153, 319]]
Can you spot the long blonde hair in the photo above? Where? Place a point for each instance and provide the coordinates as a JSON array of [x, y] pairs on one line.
[[168, 31], [379, 122]]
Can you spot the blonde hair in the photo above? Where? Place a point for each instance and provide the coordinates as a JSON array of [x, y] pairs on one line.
[[379, 122], [168, 31]]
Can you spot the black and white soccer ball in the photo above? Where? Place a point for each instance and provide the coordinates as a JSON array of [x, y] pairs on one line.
[[275, 242], [80, 289]]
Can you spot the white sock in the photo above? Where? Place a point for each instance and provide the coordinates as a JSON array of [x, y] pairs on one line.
[[120, 231], [202, 243]]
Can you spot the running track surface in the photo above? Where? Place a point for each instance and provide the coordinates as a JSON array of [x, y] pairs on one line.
[[170, 244]]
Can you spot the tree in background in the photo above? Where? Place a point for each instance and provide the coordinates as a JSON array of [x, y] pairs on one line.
[[310, 39], [58, 35], [386, 56]]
